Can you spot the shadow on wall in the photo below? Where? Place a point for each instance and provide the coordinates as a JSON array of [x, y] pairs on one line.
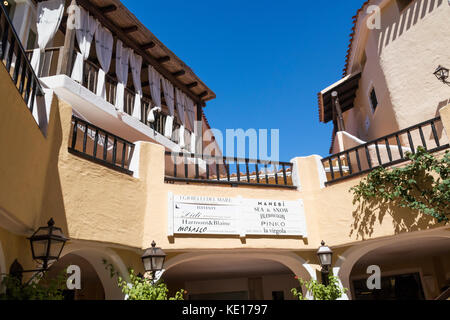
[[403, 220], [53, 202], [408, 19]]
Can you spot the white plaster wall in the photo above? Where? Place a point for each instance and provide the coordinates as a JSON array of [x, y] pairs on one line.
[[412, 45]]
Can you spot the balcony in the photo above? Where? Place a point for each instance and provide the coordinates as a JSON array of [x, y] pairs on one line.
[[226, 171], [387, 151], [14, 58], [95, 144]]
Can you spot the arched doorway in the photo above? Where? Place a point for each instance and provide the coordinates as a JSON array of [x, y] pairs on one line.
[[91, 285], [96, 276], [236, 276], [412, 267]]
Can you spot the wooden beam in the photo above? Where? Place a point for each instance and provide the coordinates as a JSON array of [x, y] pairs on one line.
[[130, 29], [136, 47], [179, 73], [108, 9], [69, 46], [203, 94], [192, 85], [163, 59], [148, 46]]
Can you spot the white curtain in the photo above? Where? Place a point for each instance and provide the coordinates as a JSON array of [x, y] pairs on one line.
[[136, 67], [84, 33], [122, 56], [181, 101], [104, 48], [49, 16], [190, 109], [170, 101], [155, 89]]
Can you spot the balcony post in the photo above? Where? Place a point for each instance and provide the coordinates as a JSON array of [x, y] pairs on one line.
[[337, 111], [65, 65], [198, 130]]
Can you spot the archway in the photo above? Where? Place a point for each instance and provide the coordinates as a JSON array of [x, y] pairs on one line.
[[417, 257], [93, 268], [236, 276], [91, 285]]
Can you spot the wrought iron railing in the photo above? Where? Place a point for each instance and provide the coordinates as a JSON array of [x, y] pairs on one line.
[[95, 144], [15, 59], [386, 151], [192, 168]]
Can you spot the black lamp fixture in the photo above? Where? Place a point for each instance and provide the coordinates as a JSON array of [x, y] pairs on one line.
[[325, 255], [153, 259], [46, 244], [442, 74]]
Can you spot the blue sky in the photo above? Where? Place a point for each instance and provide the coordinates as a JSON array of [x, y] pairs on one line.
[[265, 60]]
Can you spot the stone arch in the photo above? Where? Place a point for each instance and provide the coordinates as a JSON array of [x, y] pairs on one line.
[[95, 256], [344, 265]]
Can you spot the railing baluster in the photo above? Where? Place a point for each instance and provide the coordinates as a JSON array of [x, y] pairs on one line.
[[380, 162], [400, 147], [33, 95], [369, 160], [388, 147], [358, 160], [238, 170], [227, 168], [330, 163], [4, 40], [96, 143], [124, 150], [435, 135], [411, 143], [275, 170], [422, 137], [186, 165], [22, 77], [19, 63], [197, 169], [74, 134], [341, 172], [28, 87], [114, 157], [10, 53], [217, 170], [247, 169], [349, 163], [175, 157], [86, 128], [207, 169], [257, 172], [284, 174], [267, 175], [105, 148]]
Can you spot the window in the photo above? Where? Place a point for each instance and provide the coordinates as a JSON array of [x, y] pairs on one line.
[[373, 100], [402, 4]]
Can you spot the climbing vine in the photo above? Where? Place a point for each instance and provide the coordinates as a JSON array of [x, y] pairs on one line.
[[422, 186]]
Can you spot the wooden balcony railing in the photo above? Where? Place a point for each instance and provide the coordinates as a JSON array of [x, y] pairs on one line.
[[192, 168], [95, 144], [386, 151], [13, 56]]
